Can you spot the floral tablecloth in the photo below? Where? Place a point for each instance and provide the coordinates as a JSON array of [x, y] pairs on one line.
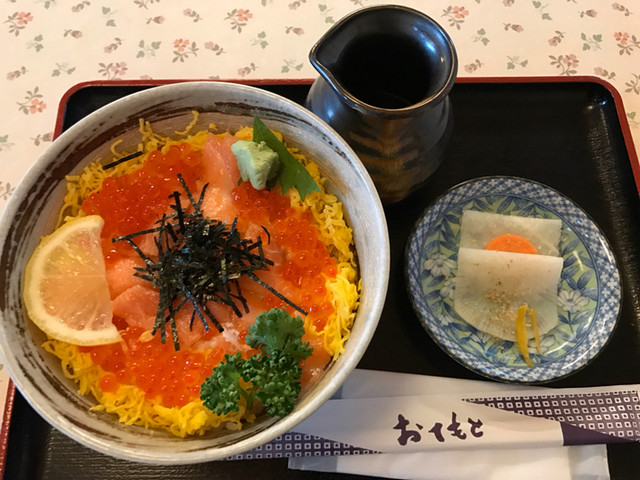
[[50, 45]]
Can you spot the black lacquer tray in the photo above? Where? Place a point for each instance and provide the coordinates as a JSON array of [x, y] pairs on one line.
[[568, 133]]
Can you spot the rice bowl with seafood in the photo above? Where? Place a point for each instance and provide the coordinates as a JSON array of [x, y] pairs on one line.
[[35, 207]]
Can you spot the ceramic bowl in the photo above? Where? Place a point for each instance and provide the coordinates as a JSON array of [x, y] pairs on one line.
[[32, 211]]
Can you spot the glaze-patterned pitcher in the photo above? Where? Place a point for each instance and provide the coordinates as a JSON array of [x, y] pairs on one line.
[[386, 73]]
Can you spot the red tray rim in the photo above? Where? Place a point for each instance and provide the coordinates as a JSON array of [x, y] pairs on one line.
[[4, 426]]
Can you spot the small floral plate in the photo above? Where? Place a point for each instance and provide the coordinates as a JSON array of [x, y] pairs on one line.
[[589, 293]]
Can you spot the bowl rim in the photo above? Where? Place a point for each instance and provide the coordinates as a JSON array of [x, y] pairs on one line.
[[273, 428]]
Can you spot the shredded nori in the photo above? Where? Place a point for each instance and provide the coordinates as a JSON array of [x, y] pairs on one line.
[[126, 158], [199, 260]]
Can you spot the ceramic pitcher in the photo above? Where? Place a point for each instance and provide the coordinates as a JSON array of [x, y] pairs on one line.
[[385, 76]]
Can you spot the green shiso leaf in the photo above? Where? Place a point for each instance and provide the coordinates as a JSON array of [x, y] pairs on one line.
[[292, 173]]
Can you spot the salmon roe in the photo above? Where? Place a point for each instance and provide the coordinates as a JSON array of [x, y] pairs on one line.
[[133, 202], [308, 263], [172, 377]]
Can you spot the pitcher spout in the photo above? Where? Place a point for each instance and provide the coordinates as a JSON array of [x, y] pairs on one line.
[[387, 58]]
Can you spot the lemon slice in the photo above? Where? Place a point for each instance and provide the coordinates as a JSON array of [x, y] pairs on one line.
[[65, 288]]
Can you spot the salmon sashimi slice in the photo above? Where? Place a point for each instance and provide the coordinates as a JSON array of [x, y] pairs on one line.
[[120, 275], [271, 249], [313, 366], [235, 328], [137, 306], [220, 171], [191, 329]]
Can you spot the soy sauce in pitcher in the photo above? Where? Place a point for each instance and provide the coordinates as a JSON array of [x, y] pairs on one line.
[[385, 76], [385, 71]]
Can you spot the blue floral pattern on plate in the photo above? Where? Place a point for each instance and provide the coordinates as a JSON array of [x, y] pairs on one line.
[[589, 293]]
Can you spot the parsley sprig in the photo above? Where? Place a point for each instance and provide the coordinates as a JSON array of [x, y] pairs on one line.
[[271, 376]]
